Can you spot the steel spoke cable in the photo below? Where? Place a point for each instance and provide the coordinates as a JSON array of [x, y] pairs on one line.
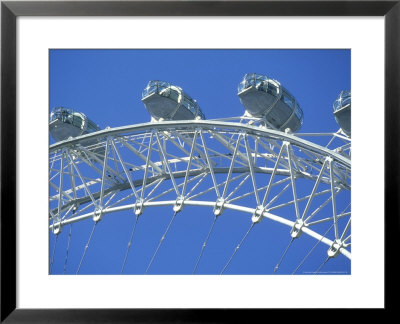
[[313, 248], [53, 253], [68, 245], [161, 241], [322, 265], [129, 243], [204, 244], [283, 255], [86, 247], [237, 248]]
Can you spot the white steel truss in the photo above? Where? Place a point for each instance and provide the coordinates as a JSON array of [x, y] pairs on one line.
[[216, 164]]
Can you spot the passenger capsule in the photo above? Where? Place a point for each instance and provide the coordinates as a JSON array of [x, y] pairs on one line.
[[65, 123], [342, 111], [266, 98], [165, 101]]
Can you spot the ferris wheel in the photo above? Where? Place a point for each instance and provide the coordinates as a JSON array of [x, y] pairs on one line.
[[256, 167]]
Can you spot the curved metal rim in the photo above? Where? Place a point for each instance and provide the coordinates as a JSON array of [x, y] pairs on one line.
[[248, 210], [258, 131]]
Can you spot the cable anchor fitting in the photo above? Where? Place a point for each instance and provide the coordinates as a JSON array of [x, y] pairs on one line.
[[178, 204], [258, 214], [219, 206], [98, 214], [297, 228], [334, 249], [57, 227], [138, 208]]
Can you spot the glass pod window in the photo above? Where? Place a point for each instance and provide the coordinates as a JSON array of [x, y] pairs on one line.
[[252, 79], [77, 119], [66, 115], [299, 113], [272, 88], [156, 86], [287, 99], [343, 100]]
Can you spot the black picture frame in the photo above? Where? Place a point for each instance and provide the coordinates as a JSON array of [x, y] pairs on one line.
[[10, 10]]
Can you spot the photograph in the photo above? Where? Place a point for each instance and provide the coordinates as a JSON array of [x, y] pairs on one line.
[[199, 161], [190, 161]]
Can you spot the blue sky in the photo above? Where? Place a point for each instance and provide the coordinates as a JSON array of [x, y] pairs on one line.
[[106, 85]]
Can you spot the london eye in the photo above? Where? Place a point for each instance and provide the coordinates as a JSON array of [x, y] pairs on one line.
[[252, 194]]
